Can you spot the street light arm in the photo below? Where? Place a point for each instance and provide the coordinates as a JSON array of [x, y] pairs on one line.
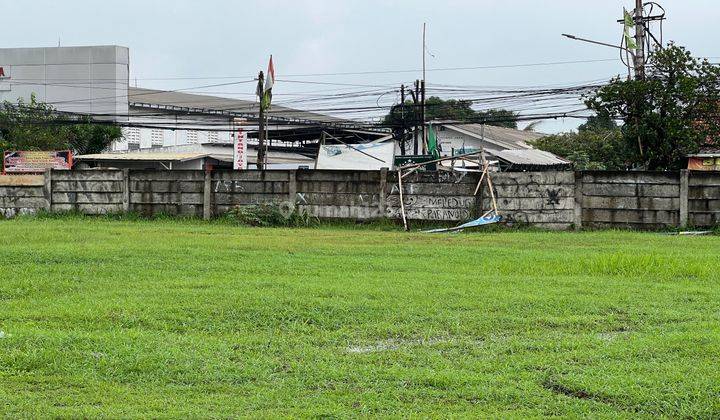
[[573, 37]]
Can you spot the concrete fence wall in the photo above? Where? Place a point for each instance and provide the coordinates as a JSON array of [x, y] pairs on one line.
[[552, 200]]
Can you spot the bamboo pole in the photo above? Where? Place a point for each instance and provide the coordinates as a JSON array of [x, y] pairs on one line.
[[402, 202]]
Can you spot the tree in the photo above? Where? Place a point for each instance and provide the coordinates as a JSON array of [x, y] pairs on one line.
[[36, 126], [407, 115], [669, 114], [589, 149]]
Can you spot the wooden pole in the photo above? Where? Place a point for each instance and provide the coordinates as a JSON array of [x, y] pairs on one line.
[[402, 202]]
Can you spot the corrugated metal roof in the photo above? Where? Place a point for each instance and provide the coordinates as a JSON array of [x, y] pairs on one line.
[[530, 157], [139, 96], [144, 156], [506, 138], [272, 156]]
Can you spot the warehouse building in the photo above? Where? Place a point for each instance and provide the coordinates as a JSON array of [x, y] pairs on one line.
[[95, 80]]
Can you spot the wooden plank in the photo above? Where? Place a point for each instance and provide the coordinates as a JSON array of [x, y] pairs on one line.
[[22, 180], [87, 186], [86, 198], [88, 175], [631, 203], [631, 190], [620, 217]]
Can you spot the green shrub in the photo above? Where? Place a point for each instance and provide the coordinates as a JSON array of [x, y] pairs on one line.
[[273, 215]]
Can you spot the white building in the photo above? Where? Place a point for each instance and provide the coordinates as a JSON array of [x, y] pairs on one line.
[[94, 80], [88, 80]]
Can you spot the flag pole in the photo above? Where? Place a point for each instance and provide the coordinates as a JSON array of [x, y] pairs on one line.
[[261, 124]]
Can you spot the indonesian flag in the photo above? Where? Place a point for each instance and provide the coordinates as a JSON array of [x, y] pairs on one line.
[[269, 82]]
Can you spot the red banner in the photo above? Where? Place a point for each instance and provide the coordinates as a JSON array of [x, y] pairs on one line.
[[28, 162]]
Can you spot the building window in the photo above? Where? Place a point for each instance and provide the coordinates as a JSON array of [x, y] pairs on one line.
[[156, 137], [192, 137], [132, 135]]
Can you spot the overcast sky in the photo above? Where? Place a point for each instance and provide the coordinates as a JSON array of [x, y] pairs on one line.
[[214, 38]]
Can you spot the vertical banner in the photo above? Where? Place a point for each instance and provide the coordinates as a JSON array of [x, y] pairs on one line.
[[240, 147]]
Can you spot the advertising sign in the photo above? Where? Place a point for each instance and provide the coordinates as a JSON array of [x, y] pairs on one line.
[[240, 150], [28, 162], [356, 157], [704, 163]]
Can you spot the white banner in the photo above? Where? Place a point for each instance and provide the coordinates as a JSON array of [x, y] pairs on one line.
[[240, 150], [357, 157]]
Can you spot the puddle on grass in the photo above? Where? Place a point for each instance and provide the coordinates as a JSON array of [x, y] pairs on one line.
[[398, 343], [613, 335]]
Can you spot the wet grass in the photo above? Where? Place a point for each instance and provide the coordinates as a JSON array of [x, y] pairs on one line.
[[134, 318]]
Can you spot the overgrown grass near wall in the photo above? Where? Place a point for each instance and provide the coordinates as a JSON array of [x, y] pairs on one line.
[[137, 318]]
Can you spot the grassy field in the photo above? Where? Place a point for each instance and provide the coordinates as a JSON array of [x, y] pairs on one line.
[[169, 319]]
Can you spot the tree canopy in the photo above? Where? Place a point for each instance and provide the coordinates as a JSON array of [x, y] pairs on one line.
[[667, 115], [448, 109], [36, 126]]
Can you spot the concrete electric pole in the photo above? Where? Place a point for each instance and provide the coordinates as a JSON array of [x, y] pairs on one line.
[[639, 40]]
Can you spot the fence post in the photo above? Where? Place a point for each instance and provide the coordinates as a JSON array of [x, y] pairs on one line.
[[126, 190], [578, 199], [383, 187], [292, 187], [684, 189], [207, 195], [47, 189]]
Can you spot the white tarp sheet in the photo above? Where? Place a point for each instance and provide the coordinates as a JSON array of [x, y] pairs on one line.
[[349, 157]]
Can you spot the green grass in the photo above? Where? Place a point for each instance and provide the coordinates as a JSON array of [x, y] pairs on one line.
[[191, 319]]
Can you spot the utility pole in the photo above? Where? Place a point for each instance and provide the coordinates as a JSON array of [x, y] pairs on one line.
[[261, 125], [422, 97], [639, 40], [402, 116], [422, 116], [416, 113]]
